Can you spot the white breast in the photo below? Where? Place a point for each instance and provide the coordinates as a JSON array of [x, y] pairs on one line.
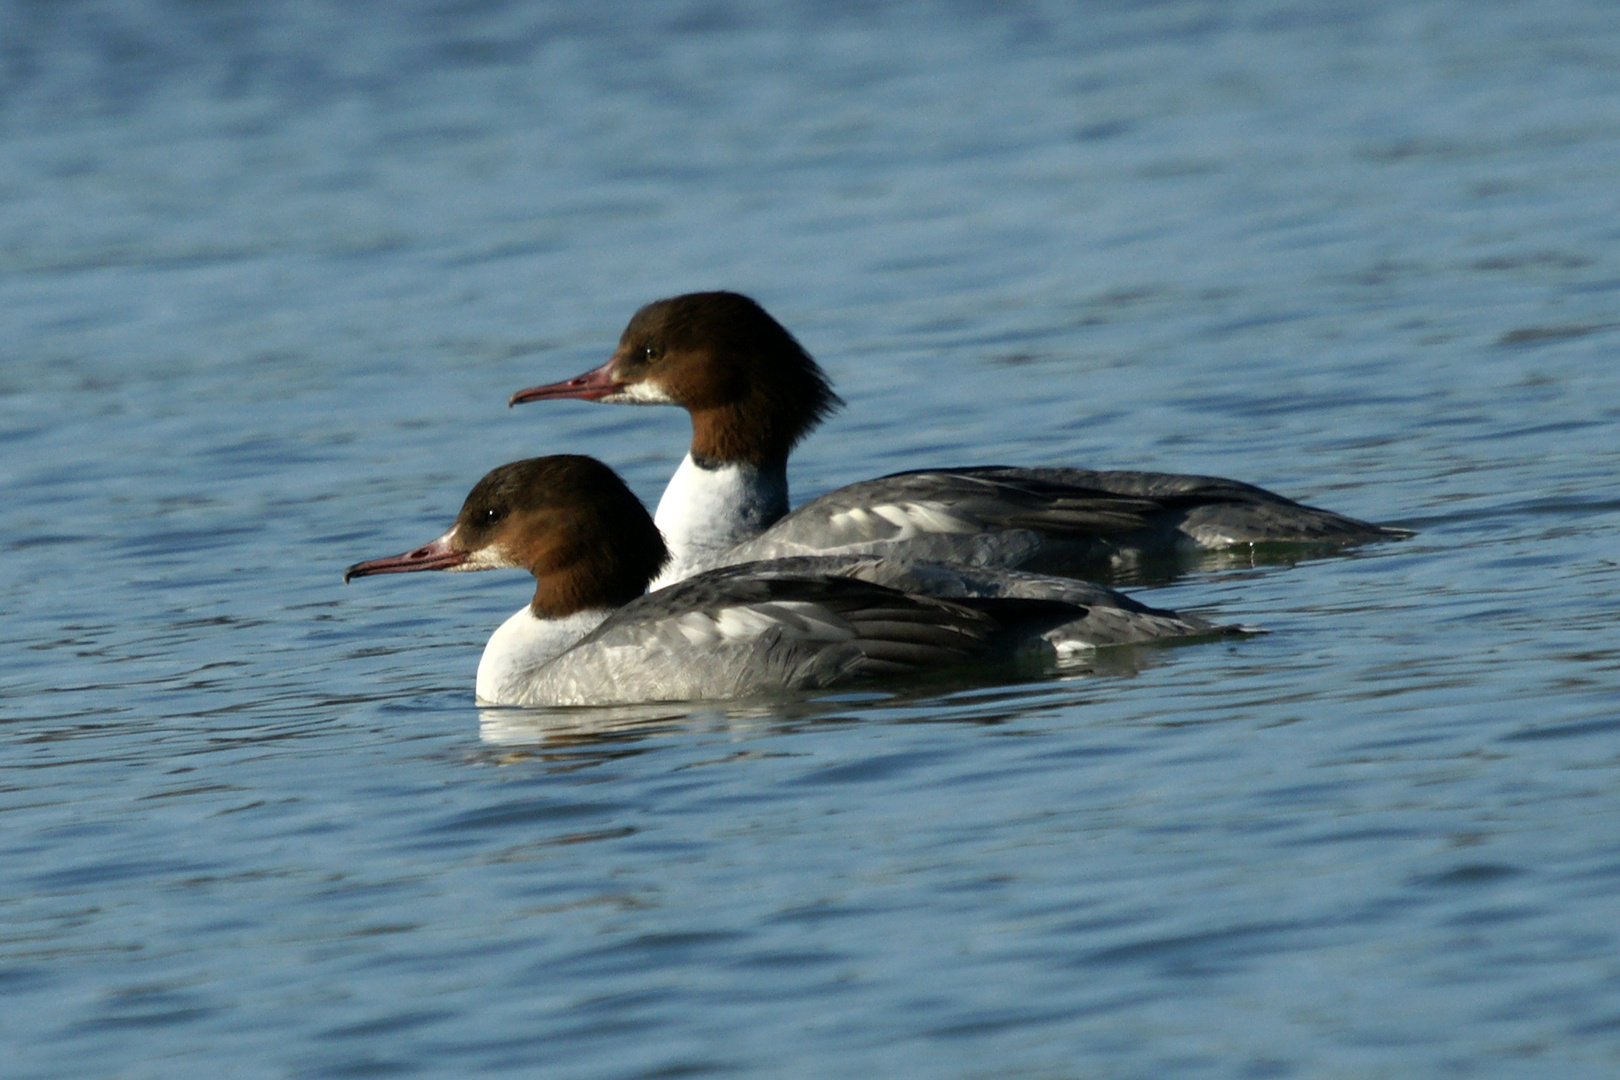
[[522, 645], [706, 512]]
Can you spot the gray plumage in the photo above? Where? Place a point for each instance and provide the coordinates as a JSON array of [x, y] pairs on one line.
[[1047, 518], [753, 392], [1105, 616], [724, 635], [592, 636]]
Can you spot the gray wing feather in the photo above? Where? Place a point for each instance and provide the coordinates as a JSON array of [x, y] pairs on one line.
[[1104, 616], [724, 635], [1002, 516]]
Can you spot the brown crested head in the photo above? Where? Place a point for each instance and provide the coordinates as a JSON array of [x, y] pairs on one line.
[[571, 522], [752, 390], [568, 520]]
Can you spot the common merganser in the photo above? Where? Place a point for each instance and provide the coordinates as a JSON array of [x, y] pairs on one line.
[[592, 635], [753, 392]]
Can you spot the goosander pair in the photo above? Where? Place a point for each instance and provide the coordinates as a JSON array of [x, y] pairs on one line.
[[753, 392], [593, 635], [901, 574]]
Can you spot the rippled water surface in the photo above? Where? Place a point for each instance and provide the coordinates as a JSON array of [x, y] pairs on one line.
[[268, 273]]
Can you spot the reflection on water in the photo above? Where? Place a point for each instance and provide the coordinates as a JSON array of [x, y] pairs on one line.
[[573, 727], [269, 277]]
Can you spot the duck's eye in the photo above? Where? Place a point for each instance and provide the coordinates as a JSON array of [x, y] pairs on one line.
[[493, 514], [653, 352]]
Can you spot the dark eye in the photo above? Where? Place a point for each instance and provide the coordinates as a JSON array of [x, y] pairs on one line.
[[653, 352], [493, 514]]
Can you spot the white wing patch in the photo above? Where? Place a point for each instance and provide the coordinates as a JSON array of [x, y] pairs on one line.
[[697, 628], [909, 518], [743, 623], [794, 619], [809, 622], [856, 520], [937, 518]]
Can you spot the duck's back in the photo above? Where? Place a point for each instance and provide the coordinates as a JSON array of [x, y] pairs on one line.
[[998, 516], [736, 633]]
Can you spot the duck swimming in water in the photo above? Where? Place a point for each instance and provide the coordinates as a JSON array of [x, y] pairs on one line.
[[593, 635], [753, 392]]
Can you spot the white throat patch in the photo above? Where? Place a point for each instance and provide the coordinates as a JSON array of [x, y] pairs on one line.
[[639, 393]]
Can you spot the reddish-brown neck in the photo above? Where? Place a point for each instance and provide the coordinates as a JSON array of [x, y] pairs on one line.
[[601, 563], [738, 434]]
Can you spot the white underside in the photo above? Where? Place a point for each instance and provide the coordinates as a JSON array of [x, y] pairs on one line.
[[706, 512]]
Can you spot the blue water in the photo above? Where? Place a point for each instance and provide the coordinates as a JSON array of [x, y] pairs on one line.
[[268, 273]]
